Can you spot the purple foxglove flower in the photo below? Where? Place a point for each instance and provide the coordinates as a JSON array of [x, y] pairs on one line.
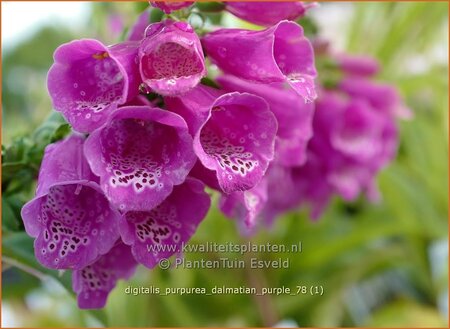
[[363, 66], [234, 136], [70, 217], [245, 206], [137, 30], [93, 282], [171, 58], [170, 5], [140, 154], [88, 80], [294, 117], [383, 97], [162, 231], [278, 54], [268, 13]]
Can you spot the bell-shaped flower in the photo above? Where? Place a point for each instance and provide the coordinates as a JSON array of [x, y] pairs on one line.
[[140, 154], [70, 217], [171, 58], [164, 230], [93, 283], [268, 13], [169, 6], [294, 117], [280, 53], [234, 134], [88, 80]]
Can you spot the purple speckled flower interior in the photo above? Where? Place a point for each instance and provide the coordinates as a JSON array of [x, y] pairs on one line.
[[179, 113]]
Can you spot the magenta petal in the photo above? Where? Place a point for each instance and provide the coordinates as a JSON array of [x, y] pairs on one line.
[[383, 97], [171, 58], [64, 161], [293, 115], [140, 154], [268, 13], [278, 54], [245, 206], [137, 30], [88, 80], [93, 283], [169, 6], [161, 232], [70, 212], [237, 141], [194, 106]]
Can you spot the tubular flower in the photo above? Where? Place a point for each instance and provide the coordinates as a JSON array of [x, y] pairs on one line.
[[88, 80], [268, 13], [93, 282], [171, 58], [294, 117], [234, 136], [162, 231], [70, 217], [140, 154], [280, 53]]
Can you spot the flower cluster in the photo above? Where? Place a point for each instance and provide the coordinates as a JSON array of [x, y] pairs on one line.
[[134, 170]]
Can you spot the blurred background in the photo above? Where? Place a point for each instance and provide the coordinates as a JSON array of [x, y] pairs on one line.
[[382, 265]]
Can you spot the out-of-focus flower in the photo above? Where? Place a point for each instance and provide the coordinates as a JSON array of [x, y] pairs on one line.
[[167, 227], [140, 154], [171, 58], [268, 13], [363, 66], [88, 80], [381, 96], [93, 282], [245, 206], [294, 117], [278, 54], [234, 134], [137, 30], [70, 217], [170, 5]]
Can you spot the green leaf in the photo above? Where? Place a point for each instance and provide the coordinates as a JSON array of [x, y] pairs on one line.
[[10, 222]]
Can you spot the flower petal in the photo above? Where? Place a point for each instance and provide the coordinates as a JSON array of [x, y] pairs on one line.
[[88, 80], [140, 154], [171, 58], [278, 54], [161, 232], [237, 141], [93, 283]]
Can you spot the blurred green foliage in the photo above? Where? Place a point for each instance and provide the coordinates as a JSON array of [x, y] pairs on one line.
[[375, 262]]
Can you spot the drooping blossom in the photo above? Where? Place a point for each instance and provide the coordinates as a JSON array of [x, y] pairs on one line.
[[171, 58], [88, 80], [352, 142], [280, 53], [268, 13], [294, 116], [93, 283], [234, 134], [162, 231], [70, 217], [170, 5], [140, 154]]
